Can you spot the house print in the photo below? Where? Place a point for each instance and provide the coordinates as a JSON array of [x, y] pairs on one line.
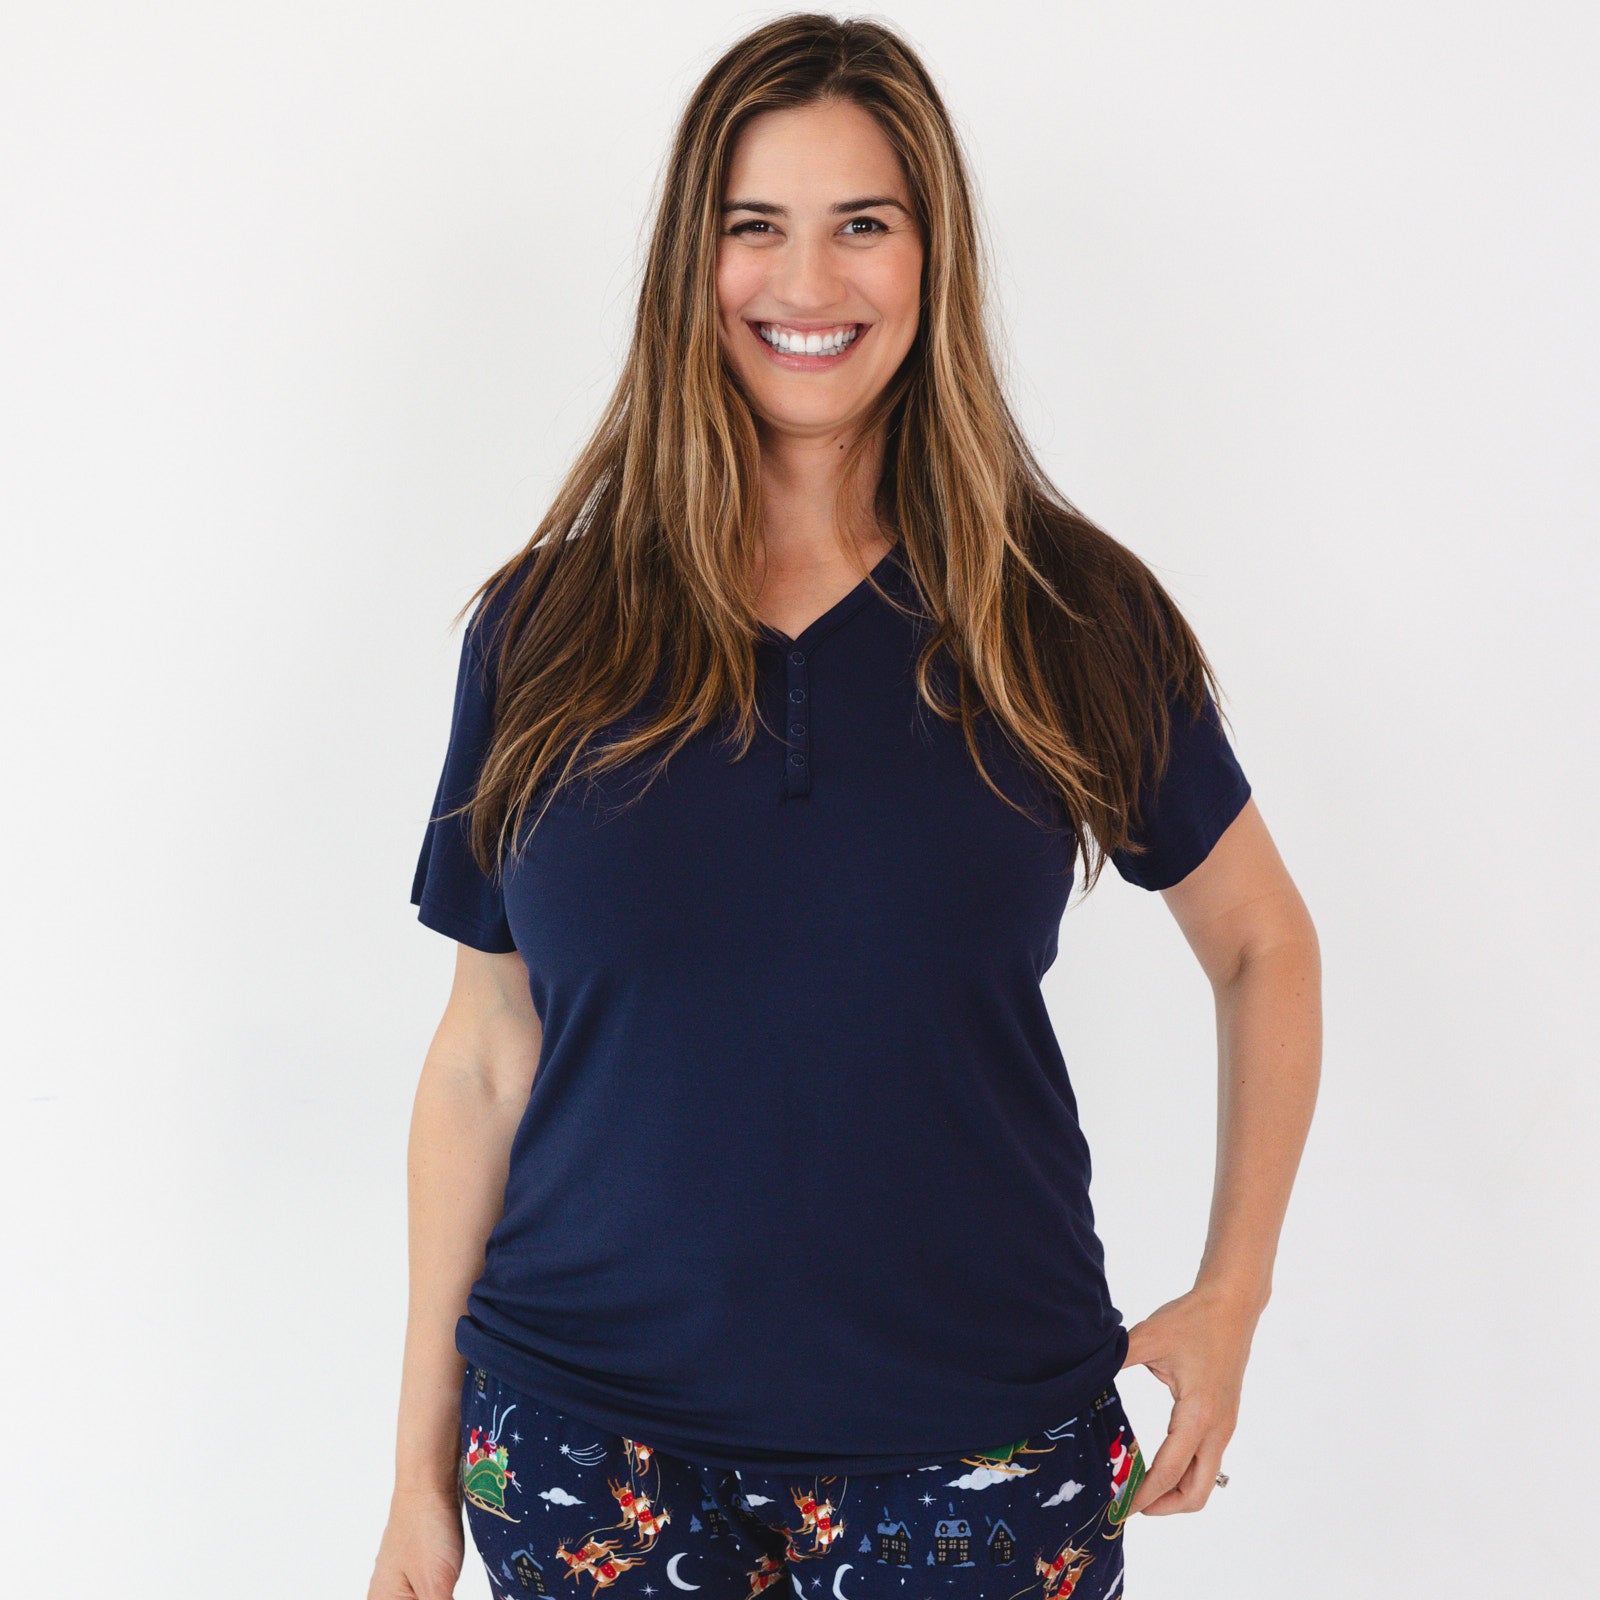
[[952, 1541], [716, 1523], [894, 1542], [1002, 1545], [529, 1574]]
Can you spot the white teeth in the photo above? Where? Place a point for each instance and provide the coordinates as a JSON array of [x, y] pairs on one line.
[[811, 344]]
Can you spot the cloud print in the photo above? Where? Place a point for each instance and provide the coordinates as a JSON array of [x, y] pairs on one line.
[[1064, 1493], [986, 1478], [758, 1499], [559, 1496]]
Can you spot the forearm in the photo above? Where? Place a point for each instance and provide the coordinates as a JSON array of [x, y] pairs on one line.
[[1269, 1059], [460, 1140]]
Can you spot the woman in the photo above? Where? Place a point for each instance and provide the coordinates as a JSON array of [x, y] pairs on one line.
[[771, 760]]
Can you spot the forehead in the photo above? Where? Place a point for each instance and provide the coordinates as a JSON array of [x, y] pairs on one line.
[[813, 155]]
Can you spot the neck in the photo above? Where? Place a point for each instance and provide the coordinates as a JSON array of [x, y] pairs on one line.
[[804, 526]]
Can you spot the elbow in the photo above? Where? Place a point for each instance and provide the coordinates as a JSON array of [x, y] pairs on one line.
[[1285, 943]]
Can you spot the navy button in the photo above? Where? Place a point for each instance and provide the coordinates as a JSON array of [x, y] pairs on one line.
[[797, 760], [797, 727], [797, 695], [797, 656]]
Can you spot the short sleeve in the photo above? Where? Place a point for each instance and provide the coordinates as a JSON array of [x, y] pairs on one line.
[[451, 892], [1201, 791]]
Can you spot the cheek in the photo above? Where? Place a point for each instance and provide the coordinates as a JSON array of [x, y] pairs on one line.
[[739, 280], [894, 287]]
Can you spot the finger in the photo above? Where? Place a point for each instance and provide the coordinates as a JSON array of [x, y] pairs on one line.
[[1199, 1478], [1156, 1493], [1184, 1433]]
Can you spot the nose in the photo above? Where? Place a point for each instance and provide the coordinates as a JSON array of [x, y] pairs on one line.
[[804, 277]]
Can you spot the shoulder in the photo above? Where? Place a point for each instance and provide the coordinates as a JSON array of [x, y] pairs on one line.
[[499, 611]]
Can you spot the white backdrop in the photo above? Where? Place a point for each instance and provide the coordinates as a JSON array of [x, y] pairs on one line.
[[306, 307]]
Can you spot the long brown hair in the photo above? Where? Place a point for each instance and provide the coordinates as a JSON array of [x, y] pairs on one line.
[[1053, 628]]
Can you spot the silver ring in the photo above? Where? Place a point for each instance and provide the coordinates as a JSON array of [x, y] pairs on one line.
[[1222, 1480]]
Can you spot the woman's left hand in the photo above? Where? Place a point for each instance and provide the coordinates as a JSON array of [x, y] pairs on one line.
[[1197, 1345]]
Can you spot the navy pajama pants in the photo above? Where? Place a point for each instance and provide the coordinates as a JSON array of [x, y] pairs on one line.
[[551, 1499]]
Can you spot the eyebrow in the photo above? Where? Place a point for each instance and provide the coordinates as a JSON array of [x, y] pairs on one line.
[[843, 208]]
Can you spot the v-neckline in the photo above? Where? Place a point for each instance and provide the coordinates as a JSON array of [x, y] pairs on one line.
[[837, 612]]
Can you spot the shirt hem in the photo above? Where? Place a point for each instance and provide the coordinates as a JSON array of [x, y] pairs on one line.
[[1196, 850], [463, 929], [1047, 1406]]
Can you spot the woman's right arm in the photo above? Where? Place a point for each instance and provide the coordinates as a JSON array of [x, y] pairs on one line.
[[470, 1097]]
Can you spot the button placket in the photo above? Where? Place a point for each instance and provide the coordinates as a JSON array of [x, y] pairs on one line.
[[797, 725]]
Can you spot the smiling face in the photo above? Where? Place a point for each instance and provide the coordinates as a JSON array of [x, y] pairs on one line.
[[819, 266]]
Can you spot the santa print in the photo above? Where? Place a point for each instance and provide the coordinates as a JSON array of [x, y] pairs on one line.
[[1121, 1464], [481, 1449]]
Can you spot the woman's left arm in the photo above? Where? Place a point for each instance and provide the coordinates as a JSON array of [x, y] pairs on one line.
[[1250, 930]]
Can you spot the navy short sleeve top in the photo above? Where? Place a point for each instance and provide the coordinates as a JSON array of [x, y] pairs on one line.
[[800, 1183]]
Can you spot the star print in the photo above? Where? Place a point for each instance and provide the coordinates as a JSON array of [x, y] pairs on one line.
[[927, 1499], [516, 1438], [566, 1449]]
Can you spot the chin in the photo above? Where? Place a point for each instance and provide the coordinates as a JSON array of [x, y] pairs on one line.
[[808, 418], [782, 403]]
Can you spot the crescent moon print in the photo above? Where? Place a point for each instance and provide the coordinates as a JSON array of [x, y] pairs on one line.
[[672, 1573]]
